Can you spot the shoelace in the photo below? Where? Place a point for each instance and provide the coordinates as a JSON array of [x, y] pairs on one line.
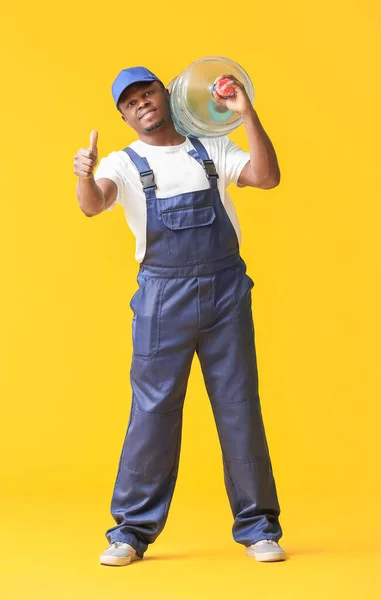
[[266, 542], [117, 544]]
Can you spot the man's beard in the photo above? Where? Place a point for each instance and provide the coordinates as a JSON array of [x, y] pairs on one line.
[[154, 126]]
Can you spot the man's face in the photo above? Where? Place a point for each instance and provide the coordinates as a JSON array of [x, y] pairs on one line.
[[145, 106]]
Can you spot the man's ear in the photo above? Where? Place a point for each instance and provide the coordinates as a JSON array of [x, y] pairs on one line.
[[124, 119]]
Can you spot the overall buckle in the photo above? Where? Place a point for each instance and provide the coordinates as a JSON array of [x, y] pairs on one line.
[[210, 169], [148, 180]]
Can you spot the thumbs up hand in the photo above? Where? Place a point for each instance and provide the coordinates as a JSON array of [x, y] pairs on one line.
[[86, 159]]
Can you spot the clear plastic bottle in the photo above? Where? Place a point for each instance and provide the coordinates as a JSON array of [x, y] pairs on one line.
[[193, 108]]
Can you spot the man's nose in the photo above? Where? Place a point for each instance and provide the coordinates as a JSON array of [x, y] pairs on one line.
[[144, 102]]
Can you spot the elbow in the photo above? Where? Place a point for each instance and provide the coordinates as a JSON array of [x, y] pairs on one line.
[[87, 214], [272, 181]]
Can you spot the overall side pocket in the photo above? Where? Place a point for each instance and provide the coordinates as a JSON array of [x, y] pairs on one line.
[[146, 305], [243, 301]]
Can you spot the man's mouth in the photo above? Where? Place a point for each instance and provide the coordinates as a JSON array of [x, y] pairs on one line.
[[147, 114]]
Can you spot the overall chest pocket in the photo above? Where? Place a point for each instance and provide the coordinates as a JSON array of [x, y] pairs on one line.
[[189, 234]]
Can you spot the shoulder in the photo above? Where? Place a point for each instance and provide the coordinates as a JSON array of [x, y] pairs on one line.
[[135, 145], [118, 159], [115, 165], [115, 157], [218, 146]]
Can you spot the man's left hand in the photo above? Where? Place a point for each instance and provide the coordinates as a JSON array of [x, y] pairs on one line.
[[238, 102]]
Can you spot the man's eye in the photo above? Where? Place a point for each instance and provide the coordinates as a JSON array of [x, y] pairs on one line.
[[149, 92], [131, 103]]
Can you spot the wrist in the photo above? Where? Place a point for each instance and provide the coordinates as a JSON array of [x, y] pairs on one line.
[[85, 178], [247, 111]]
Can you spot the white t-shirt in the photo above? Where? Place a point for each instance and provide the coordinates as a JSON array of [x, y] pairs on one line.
[[175, 173]]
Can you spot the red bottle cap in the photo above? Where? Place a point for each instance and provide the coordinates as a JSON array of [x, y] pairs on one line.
[[229, 91]]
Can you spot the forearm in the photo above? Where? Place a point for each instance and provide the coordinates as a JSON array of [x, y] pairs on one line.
[[90, 196], [263, 159]]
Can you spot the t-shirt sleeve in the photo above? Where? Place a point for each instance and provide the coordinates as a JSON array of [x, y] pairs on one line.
[[235, 160], [110, 167]]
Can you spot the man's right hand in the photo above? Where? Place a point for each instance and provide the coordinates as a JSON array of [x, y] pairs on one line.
[[86, 159]]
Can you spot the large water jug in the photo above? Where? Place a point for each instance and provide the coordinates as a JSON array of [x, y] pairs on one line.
[[194, 110]]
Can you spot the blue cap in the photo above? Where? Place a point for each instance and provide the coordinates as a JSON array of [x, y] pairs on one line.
[[128, 77]]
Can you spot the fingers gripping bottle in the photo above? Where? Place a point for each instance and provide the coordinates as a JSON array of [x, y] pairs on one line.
[[193, 108]]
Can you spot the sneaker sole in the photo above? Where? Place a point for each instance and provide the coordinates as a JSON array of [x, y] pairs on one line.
[[266, 556], [118, 561]]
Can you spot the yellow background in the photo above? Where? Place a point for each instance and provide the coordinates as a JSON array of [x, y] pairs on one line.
[[311, 246]]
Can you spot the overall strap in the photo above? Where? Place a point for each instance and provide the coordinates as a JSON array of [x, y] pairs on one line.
[[146, 174], [201, 155]]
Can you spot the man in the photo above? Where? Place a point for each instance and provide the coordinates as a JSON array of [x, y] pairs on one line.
[[194, 296]]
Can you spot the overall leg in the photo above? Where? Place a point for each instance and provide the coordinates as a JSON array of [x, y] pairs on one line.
[[227, 355], [164, 339]]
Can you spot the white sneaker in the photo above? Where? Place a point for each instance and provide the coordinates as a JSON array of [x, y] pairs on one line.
[[266, 551], [119, 554]]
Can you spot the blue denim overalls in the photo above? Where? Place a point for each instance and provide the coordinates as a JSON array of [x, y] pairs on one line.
[[194, 296]]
